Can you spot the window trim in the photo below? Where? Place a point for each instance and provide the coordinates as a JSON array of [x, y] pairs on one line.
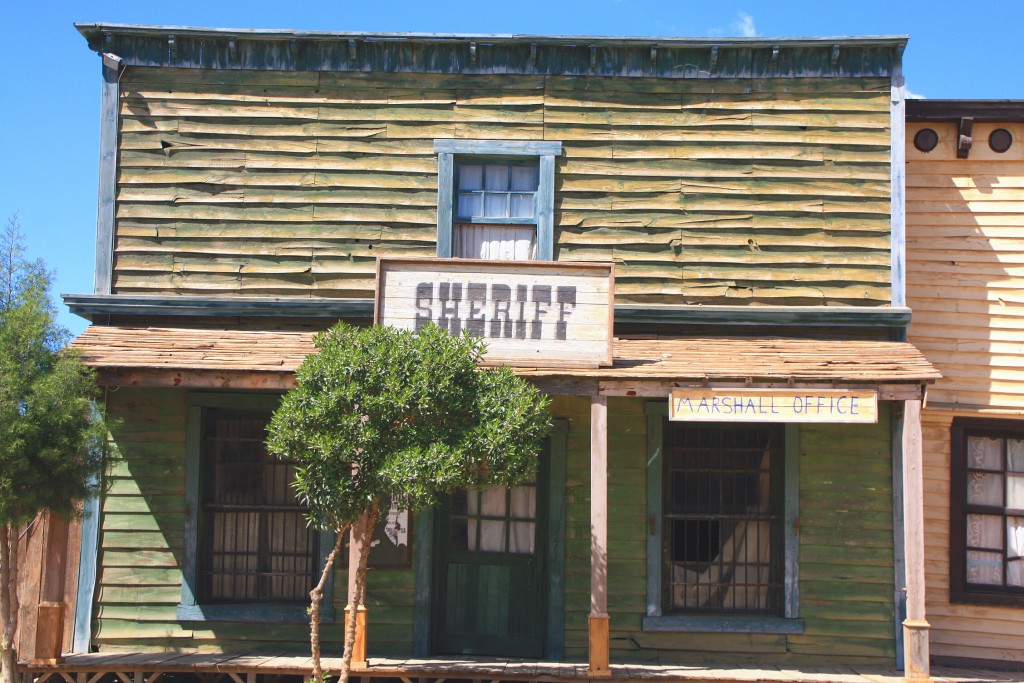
[[189, 609], [545, 153], [959, 590], [654, 620]]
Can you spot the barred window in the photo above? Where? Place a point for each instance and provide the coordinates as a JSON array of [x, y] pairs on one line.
[[254, 540], [722, 512], [987, 512]]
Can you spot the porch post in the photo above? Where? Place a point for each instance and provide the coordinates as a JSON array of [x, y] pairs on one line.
[[599, 639], [915, 626], [355, 546]]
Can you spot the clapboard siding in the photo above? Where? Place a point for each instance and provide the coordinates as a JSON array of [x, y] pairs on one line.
[[965, 262], [846, 571], [142, 537], [965, 259], [724, 191], [958, 630]]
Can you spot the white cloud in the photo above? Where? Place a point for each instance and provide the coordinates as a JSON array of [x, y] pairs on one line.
[[744, 25], [915, 96]]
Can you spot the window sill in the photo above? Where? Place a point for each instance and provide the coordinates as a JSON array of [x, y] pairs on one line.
[[719, 623], [253, 612], [982, 597]]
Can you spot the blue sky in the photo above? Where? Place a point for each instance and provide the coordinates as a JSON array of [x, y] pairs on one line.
[[49, 93]]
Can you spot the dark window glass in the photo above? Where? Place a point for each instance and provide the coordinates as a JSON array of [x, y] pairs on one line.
[[256, 545], [722, 518]]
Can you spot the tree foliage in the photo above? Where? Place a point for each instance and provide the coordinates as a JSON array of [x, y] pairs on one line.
[[382, 412], [385, 413], [47, 419]]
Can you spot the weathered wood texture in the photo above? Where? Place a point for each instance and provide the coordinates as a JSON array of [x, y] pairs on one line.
[[47, 572], [965, 252], [970, 632], [235, 666], [696, 359], [845, 548], [141, 540], [965, 262], [701, 191]]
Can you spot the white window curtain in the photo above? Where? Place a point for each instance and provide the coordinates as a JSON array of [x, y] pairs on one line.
[[495, 242]]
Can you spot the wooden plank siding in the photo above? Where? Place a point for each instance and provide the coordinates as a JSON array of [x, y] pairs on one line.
[[845, 577], [970, 632], [701, 191], [141, 541], [965, 262], [846, 570], [965, 259]]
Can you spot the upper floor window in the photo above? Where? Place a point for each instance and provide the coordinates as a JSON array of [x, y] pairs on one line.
[[496, 199], [987, 511], [496, 210]]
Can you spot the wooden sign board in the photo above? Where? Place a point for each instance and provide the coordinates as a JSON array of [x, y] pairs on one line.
[[540, 313], [773, 405]]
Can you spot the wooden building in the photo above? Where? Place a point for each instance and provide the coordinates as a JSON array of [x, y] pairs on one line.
[[748, 193], [965, 171]]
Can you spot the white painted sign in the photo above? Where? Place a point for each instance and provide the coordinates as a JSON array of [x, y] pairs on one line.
[[773, 405], [536, 312]]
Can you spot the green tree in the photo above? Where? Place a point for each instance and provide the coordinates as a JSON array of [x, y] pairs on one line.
[[386, 413], [50, 434]]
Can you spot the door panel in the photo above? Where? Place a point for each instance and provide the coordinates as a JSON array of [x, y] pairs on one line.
[[490, 571]]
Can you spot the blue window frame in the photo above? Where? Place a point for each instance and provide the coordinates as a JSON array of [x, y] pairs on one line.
[[497, 183]]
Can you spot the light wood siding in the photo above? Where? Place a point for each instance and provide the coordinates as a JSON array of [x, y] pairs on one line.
[[846, 560], [973, 632], [141, 540], [965, 258], [965, 262], [702, 191]]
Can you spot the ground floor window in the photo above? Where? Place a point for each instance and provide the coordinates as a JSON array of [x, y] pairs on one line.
[[723, 505], [721, 512], [987, 511], [255, 542], [248, 553]]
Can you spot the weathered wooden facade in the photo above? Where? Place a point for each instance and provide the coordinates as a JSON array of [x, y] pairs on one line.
[[749, 195], [965, 170]]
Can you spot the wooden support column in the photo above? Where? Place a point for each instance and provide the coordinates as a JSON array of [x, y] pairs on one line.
[[599, 638], [354, 548], [915, 626]]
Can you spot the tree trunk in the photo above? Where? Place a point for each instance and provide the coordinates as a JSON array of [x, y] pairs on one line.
[[8, 601], [316, 596], [356, 601]]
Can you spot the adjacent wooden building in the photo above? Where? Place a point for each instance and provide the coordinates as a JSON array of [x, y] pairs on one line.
[[965, 171], [748, 193]]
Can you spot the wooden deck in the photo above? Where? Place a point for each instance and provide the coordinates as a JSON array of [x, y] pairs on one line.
[[255, 668]]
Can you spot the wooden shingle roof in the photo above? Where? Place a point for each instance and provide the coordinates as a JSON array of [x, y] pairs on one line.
[[677, 359]]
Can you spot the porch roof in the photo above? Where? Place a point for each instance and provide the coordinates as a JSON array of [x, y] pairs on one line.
[[129, 354]]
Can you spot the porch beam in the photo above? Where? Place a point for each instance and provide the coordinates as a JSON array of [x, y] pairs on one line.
[[599, 636], [915, 626], [646, 388]]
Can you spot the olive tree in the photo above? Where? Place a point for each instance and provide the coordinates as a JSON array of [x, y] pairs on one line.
[[50, 433], [386, 413]]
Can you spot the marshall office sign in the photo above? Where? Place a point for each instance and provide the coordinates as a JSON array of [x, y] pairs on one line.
[[536, 312]]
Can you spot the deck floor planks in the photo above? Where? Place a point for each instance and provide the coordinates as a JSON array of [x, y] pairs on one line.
[[494, 669]]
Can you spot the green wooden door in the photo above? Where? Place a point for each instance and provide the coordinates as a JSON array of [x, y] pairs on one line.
[[490, 572]]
